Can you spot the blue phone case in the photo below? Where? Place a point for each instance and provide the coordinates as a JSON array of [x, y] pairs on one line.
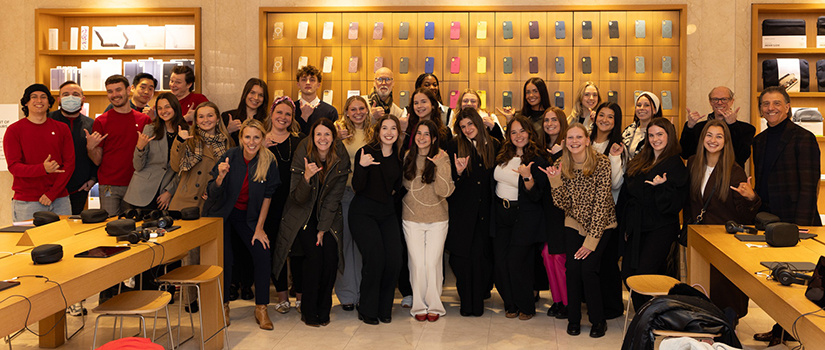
[[429, 30], [429, 65]]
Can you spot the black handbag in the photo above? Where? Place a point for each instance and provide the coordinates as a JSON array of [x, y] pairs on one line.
[[698, 220]]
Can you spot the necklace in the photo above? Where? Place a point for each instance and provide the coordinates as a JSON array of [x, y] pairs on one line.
[[289, 153]]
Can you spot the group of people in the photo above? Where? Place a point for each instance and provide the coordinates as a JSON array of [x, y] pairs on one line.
[[370, 201]]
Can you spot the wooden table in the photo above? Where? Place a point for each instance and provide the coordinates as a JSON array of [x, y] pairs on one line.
[[17, 242], [82, 277], [710, 244]]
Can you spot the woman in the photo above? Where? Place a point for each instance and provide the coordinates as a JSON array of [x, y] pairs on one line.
[[584, 107], [376, 179], [254, 103], [430, 81], [423, 106], [518, 217], [581, 187], [282, 140], [154, 182], [468, 235], [654, 191], [647, 109], [552, 252], [536, 100], [240, 193], [428, 180], [355, 130], [470, 98], [606, 139], [720, 191], [313, 213]]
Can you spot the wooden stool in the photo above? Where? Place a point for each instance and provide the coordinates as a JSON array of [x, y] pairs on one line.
[[194, 275], [652, 285], [135, 304]]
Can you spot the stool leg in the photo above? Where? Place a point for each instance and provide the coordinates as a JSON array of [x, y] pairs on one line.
[[114, 328], [223, 314], [183, 293], [142, 321], [627, 313], [169, 328], [191, 318], [200, 316], [155, 325], [94, 337]]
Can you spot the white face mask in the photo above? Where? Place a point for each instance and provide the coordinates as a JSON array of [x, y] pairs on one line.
[[71, 104]]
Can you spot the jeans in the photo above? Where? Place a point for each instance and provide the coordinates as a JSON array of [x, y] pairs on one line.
[[24, 211]]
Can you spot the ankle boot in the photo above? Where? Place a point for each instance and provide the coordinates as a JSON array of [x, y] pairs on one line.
[[262, 317], [226, 311]]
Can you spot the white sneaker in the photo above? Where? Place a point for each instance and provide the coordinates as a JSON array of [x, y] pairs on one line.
[[77, 310], [298, 306], [406, 301], [283, 307]]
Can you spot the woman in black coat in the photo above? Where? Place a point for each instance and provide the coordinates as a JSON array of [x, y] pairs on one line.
[[468, 236]]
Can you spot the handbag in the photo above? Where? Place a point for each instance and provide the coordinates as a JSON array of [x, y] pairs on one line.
[[698, 220]]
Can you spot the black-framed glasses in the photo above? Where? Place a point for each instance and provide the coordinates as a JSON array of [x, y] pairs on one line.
[[722, 100]]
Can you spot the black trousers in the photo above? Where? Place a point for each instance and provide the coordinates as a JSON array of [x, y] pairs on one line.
[[236, 224], [242, 271], [611, 278], [583, 280], [320, 266], [655, 246], [513, 263], [472, 273], [78, 201], [375, 229]]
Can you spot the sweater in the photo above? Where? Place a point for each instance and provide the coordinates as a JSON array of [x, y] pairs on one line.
[[27, 145], [427, 203], [116, 166]]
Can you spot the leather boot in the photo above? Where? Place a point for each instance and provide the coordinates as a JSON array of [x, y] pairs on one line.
[[262, 317], [226, 312]]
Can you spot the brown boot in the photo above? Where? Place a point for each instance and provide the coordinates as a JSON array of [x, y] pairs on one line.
[[262, 317], [226, 312]]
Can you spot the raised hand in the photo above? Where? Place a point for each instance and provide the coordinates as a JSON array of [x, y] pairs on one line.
[[52, 166], [658, 180], [552, 171], [745, 189], [524, 170], [460, 163], [488, 121], [375, 111], [143, 140], [343, 133], [190, 115], [233, 125], [310, 169], [94, 139], [507, 112], [731, 115], [617, 149], [693, 118], [306, 109], [150, 111], [223, 168], [367, 159], [435, 157], [556, 148], [183, 133]]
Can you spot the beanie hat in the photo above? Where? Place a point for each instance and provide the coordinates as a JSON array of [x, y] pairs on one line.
[[27, 96], [653, 100]]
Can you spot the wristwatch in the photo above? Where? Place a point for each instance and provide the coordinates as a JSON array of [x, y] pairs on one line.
[[527, 178]]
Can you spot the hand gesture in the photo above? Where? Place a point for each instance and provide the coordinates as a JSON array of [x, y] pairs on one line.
[[51, 166], [731, 115], [367, 159], [320, 240], [260, 236], [617, 149], [190, 115], [223, 168], [375, 111], [45, 200], [94, 139], [582, 253], [143, 140], [87, 186], [460, 163], [693, 118], [233, 125], [435, 157], [306, 109], [310, 169], [552, 171], [343, 133], [592, 115], [556, 148], [183, 133], [488, 121], [403, 122], [745, 189], [150, 111], [524, 170], [507, 112], [163, 200], [658, 180]]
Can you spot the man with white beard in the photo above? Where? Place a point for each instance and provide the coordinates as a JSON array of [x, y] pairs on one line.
[[380, 98]]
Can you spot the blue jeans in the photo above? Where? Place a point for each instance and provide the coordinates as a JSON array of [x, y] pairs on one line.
[[24, 211]]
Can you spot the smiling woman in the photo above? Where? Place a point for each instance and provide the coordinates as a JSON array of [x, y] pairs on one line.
[[254, 103]]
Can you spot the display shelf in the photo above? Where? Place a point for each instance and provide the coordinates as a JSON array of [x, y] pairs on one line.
[[112, 53]]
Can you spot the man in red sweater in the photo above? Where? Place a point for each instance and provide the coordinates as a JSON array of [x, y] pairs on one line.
[[182, 84], [40, 155], [112, 145]]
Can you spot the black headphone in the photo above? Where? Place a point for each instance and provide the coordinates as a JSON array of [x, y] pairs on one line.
[[164, 222], [786, 277], [134, 214], [733, 227], [143, 235]]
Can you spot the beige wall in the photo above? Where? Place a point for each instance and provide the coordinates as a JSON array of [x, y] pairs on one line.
[[718, 46]]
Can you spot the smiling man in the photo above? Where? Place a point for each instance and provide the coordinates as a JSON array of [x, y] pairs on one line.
[[741, 133], [143, 89], [310, 107], [380, 98], [182, 84]]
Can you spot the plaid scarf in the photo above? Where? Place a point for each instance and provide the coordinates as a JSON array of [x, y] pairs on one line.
[[375, 99], [194, 156]]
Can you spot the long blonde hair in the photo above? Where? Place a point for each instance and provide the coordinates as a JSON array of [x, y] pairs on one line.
[[265, 156], [347, 124], [577, 104], [590, 154]]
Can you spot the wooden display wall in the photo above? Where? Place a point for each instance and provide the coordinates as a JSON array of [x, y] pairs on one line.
[[457, 52]]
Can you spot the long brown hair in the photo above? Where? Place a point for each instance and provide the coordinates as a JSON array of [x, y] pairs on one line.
[[435, 114], [484, 142], [410, 166], [177, 120], [219, 127], [591, 156], [312, 148], [260, 112], [375, 141], [563, 126], [347, 124], [508, 149], [646, 159], [723, 168]]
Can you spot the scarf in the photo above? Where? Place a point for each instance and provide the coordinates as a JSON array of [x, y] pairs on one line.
[[375, 99], [193, 155]]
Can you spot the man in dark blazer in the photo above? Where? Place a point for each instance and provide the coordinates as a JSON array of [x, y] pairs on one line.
[[786, 166]]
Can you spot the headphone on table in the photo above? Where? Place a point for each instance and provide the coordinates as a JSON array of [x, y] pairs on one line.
[[732, 227], [783, 274]]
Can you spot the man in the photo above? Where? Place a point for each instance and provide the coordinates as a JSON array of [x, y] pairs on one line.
[[786, 167], [143, 89], [380, 98], [112, 144], [311, 108], [85, 171], [182, 83], [741, 133], [40, 157]]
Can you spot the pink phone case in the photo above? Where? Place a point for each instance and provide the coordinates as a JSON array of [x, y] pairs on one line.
[[455, 30], [455, 65], [353, 31], [353, 64], [453, 99], [378, 32], [379, 63]]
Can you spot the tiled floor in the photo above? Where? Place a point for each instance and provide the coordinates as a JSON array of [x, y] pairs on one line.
[[491, 331]]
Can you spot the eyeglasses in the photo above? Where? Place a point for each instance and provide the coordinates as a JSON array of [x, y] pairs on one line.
[[722, 100], [383, 80]]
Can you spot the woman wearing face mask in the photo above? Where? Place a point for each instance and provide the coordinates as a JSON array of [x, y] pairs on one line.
[[581, 187], [355, 130], [254, 103], [282, 140], [473, 152], [430, 81], [720, 191], [470, 98], [154, 181], [536, 101], [654, 191], [313, 213], [519, 222], [424, 216], [240, 193], [376, 179], [424, 106], [647, 109], [584, 108]]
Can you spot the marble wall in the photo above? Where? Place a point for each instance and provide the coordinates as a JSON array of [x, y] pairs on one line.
[[718, 45]]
